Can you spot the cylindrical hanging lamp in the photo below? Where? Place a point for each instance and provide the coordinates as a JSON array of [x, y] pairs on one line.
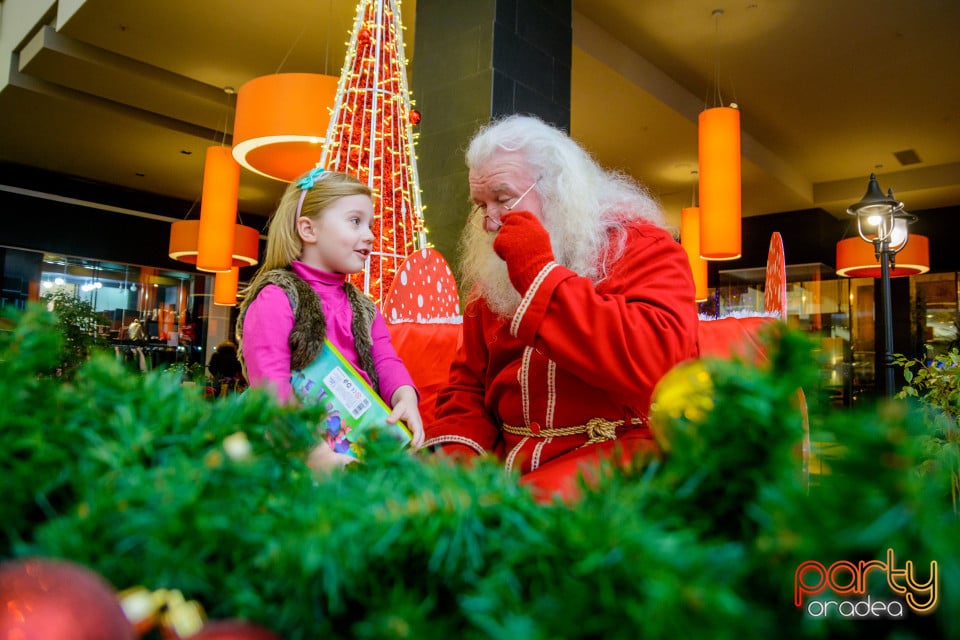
[[719, 175], [281, 122], [218, 210], [225, 287], [858, 259], [184, 236], [690, 241]]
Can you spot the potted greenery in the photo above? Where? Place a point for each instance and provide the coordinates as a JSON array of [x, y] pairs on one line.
[[77, 321], [936, 384]]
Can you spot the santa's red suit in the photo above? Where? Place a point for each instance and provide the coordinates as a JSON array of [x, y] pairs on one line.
[[567, 380]]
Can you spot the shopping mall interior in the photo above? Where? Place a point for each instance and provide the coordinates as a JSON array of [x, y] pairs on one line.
[[106, 109]]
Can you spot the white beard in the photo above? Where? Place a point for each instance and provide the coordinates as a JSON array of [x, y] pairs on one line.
[[485, 274]]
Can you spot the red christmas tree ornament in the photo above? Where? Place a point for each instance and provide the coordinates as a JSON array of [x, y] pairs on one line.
[[233, 630], [364, 36], [415, 117], [46, 599]]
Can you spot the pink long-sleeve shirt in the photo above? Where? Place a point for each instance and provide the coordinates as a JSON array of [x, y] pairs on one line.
[[269, 321]]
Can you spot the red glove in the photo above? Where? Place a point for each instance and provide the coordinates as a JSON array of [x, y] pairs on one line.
[[524, 245]]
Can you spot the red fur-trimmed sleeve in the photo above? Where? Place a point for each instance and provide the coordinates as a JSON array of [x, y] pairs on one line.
[[624, 333], [462, 421]]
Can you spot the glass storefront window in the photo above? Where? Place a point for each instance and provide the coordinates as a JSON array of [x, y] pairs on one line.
[[159, 299], [821, 305], [841, 314], [936, 312], [170, 306]]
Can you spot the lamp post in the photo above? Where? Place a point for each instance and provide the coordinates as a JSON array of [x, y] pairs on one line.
[[882, 222]]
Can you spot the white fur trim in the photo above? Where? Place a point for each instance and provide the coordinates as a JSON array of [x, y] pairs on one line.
[[508, 465], [447, 320], [529, 295], [473, 444], [742, 314], [537, 450]]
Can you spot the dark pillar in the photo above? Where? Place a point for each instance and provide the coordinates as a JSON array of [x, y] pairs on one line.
[[20, 274], [474, 60]]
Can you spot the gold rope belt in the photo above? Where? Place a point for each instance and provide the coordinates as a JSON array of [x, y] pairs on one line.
[[598, 430]]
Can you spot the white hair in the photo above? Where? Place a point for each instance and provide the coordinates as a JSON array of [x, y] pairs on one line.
[[585, 207]]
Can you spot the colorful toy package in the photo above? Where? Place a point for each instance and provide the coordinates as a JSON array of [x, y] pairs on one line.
[[354, 409]]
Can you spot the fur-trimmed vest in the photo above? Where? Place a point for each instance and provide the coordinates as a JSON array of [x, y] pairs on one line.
[[309, 323]]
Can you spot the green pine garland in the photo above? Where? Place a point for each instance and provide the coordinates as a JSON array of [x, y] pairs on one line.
[[134, 476]]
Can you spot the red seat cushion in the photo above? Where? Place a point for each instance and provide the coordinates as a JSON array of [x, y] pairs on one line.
[[427, 350], [733, 337]]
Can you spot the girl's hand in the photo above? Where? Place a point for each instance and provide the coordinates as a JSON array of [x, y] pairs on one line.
[[324, 459], [405, 405]]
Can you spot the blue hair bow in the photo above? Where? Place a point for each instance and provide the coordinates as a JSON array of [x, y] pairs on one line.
[[306, 182]]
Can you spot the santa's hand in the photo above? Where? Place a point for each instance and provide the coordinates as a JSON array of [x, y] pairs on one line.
[[524, 245]]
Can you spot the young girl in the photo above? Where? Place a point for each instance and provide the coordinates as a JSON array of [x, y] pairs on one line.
[[320, 233]]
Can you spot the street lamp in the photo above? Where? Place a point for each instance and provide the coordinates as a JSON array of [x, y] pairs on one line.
[[882, 221]]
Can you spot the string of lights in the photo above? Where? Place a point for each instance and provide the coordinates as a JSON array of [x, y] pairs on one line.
[[371, 137]]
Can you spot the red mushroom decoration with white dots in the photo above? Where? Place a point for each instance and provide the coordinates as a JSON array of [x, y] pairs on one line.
[[423, 291], [422, 310]]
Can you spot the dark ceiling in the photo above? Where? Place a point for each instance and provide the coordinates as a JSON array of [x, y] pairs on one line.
[[130, 93]]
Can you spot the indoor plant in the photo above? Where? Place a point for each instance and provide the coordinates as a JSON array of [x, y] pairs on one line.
[[935, 383]]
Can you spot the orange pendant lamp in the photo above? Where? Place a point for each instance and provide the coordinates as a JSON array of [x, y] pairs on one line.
[[218, 210], [225, 287], [184, 236], [719, 155], [690, 241], [858, 259], [184, 243], [281, 121]]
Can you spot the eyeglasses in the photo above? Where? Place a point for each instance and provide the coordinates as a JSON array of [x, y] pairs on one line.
[[479, 215]]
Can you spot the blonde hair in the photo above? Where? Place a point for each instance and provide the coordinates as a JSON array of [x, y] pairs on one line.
[[283, 242]]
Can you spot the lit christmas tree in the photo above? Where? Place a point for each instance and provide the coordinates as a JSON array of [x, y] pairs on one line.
[[371, 137]]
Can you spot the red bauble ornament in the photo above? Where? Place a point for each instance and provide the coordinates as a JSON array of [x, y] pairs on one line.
[[415, 117], [45, 599], [233, 630], [364, 36]]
